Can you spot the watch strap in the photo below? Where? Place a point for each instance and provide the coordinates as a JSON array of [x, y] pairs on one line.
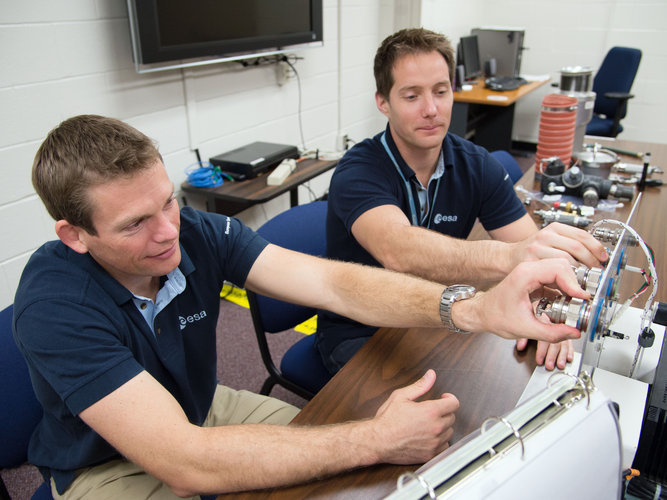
[[450, 295]]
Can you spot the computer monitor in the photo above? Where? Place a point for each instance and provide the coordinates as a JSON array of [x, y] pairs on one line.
[[505, 45], [469, 57]]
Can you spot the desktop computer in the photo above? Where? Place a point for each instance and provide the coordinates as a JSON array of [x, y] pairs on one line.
[[468, 57], [504, 45]]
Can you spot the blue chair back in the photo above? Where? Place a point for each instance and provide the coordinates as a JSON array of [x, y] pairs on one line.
[[303, 229], [616, 74], [612, 85], [20, 412], [509, 164]]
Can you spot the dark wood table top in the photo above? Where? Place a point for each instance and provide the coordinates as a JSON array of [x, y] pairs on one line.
[[485, 372]]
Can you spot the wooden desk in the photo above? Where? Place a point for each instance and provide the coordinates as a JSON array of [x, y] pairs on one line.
[[486, 116], [484, 371], [232, 197]]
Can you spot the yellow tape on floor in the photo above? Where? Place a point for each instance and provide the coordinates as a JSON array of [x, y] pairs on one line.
[[239, 297], [234, 295]]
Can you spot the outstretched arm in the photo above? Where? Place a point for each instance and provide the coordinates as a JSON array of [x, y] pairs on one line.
[[385, 298], [386, 233], [554, 241], [145, 424]]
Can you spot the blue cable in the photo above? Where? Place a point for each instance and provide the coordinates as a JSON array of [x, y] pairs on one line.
[[203, 174]]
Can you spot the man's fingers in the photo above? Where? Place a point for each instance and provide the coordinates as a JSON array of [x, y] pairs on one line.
[[558, 272], [420, 387], [578, 243], [563, 241], [521, 344]]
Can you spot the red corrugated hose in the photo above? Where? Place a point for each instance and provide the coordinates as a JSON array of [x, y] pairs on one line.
[[557, 126]]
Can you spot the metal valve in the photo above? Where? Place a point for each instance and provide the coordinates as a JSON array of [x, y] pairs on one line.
[[567, 310], [588, 279], [612, 236], [573, 312], [549, 216]]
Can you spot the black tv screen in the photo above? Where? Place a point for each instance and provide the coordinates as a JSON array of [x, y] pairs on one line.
[[172, 30]]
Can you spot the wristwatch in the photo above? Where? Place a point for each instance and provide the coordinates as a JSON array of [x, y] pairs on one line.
[[450, 295]]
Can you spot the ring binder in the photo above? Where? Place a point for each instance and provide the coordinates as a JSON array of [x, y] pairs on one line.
[[584, 381], [412, 475], [549, 426], [509, 425]]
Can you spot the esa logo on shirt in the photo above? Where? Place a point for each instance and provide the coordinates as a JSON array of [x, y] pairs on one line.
[[191, 319], [444, 218]]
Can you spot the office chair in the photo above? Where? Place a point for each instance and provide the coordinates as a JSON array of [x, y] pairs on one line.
[[19, 409], [301, 228], [612, 85], [509, 164]]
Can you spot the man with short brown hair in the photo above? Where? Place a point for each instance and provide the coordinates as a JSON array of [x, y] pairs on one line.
[[408, 198], [117, 323]]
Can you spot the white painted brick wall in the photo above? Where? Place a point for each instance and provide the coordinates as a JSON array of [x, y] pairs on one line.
[[60, 59], [569, 33]]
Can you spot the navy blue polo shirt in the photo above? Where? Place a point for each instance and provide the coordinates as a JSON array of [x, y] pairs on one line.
[[83, 337], [474, 186]]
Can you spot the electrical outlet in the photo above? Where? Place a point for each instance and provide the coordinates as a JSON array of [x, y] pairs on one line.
[[341, 142], [283, 73]]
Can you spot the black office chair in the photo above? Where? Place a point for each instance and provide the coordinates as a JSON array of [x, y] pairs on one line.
[[612, 85], [20, 412], [302, 371]]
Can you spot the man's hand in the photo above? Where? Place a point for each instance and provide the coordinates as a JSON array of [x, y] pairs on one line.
[[560, 241], [550, 355], [507, 309], [410, 432]]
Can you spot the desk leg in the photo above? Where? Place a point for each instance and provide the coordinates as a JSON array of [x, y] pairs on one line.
[[494, 132], [486, 126], [294, 197], [459, 121]]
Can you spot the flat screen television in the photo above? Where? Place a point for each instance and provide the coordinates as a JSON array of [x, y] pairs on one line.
[[469, 57], [166, 32]]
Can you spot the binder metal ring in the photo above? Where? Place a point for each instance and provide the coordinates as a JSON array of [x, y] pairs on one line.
[[581, 382], [424, 484], [507, 424]]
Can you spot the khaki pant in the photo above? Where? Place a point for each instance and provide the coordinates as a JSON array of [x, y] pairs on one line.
[[122, 479]]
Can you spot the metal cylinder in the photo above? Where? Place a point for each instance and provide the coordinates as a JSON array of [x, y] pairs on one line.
[[588, 279], [577, 81], [605, 234], [566, 310]]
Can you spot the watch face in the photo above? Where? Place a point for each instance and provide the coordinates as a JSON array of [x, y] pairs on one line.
[[462, 291]]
